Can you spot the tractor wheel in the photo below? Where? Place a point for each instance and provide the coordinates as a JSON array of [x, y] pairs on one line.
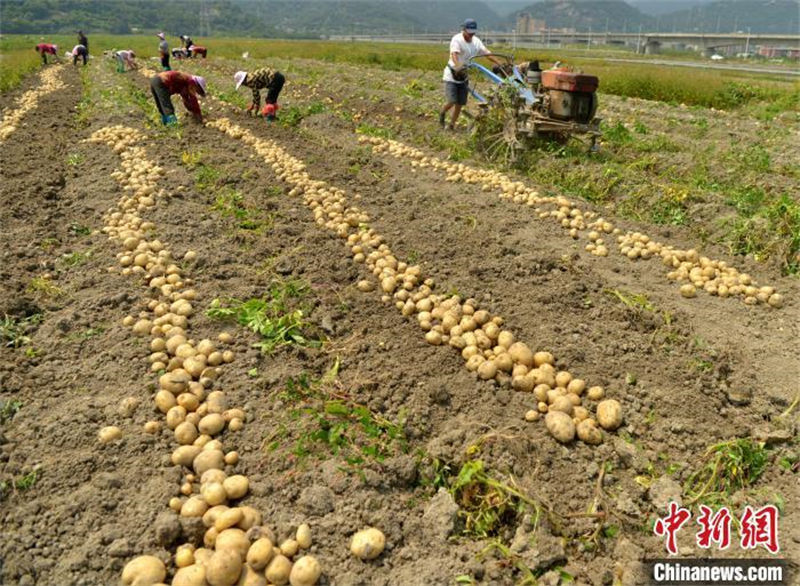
[[496, 132]]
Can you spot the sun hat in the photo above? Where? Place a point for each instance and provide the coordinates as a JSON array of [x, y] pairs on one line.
[[201, 83], [239, 78], [161, 36], [470, 25]]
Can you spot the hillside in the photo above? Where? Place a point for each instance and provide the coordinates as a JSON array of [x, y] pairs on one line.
[[314, 18], [760, 16]]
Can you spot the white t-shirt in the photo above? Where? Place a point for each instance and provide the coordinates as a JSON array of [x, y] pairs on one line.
[[466, 50]]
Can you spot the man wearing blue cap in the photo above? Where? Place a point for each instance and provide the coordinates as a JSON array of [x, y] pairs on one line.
[[463, 47]]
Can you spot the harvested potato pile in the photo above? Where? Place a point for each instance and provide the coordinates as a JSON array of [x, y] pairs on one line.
[[48, 82], [237, 546], [714, 277], [490, 351]]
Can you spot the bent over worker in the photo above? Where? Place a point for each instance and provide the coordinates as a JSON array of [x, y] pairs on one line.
[[126, 60], [79, 51], [187, 86], [260, 79], [45, 49]]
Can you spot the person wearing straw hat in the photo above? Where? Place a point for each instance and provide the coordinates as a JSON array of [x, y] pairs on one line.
[[163, 49], [188, 87], [463, 47], [264, 78]]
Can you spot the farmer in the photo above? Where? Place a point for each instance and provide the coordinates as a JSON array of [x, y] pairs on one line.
[[463, 47], [166, 83], [79, 51], [163, 49], [126, 60], [45, 49], [82, 40], [264, 78], [187, 42]]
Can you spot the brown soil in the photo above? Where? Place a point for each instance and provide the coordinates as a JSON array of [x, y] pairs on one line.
[[719, 370]]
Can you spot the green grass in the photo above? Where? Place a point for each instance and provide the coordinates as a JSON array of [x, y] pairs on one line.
[[16, 64], [764, 94], [45, 286], [278, 317]]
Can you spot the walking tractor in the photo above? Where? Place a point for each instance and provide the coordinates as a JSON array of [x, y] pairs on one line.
[[522, 102]]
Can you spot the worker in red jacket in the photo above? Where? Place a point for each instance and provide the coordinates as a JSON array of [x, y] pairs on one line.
[[166, 83], [45, 49]]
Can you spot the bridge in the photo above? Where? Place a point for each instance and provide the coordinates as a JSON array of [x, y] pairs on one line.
[[643, 42]]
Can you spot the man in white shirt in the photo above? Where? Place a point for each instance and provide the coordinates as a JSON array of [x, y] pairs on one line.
[[463, 47]]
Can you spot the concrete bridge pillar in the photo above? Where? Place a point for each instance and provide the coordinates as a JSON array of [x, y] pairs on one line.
[[652, 47]]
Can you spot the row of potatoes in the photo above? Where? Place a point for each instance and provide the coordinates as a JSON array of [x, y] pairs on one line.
[[487, 348], [49, 82], [699, 272], [237, 547]]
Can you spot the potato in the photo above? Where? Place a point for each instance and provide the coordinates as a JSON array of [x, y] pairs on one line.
[[521, 354], [576, 386], [193, 575], [236, 486], [213, 493], [278, 570], [522, 383], [487, 369], [303, 536], [185, 455], [211, 515], [368, 544], [540, 358], [233, 539], [503, 362], [194, 507], [184, 556], [688, 290], [213, 475], [109, 434], [531, 415], [202, 555], [609, 414], [289, 548], [560, 426], [227, 518], [250, 518], [588, 432], [165, 401], [207, 460], [232, 458], [185, 433], [144, 570], [152, 427], [250, 577], [563, 378], [305, 571], [212, 424], [223, 568], [561, 403], [260, 553], [595, 393], [176, 381], [505, 339]]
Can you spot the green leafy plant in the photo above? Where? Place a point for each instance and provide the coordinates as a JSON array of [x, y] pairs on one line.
[[14, 332], [727, 468], [325, 419], [276, 317], [8, 409]]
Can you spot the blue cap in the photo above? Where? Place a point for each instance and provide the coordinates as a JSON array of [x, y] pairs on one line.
[[470, 25]]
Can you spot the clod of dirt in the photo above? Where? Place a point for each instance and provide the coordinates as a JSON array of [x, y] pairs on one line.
[[316, 500], [663, 491], [167, 528], [440, 515]]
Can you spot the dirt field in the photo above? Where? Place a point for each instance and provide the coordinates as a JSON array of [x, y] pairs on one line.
[[372, 426]]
